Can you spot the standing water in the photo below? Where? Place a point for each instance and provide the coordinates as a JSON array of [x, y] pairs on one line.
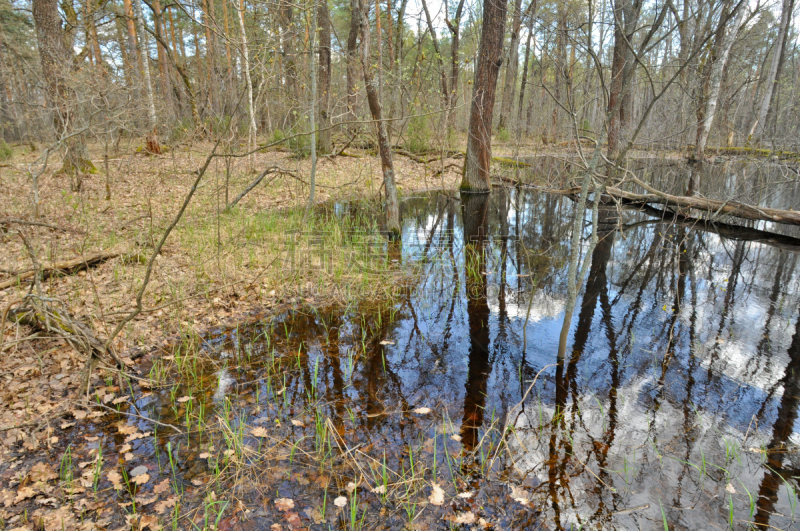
[[446, 405]]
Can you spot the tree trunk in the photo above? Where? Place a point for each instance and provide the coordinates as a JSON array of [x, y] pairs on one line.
[[152, 119], [512, 68], [56, 58], [324, 22], [454, 26], [757, 129], [525, 72], [91, 35], [623, 67], [715, 82], [387, 164], [133, 47], [251, 132], [352, 67], [439, 57], [479, 139]]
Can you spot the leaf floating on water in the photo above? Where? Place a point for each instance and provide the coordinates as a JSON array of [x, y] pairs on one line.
[[341, 501], [284, 504], [520, 495], [115, 478], [729, 488], [126, 429], [138, 471], [259, 432], [65, 425], [79, 414], [468, 494], [183, 399], [350, 487], [456, 437], [422, 410], [465, 518], [162, 506], [204, 455], [162, 487], [120, 400], [387, 342], [142, 479], [298, 423], [380, 489], [437, 496]]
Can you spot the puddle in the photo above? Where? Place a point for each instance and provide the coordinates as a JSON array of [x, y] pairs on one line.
[[675, 402]]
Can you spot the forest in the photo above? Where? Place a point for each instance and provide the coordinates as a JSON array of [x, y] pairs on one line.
[[418, 265]]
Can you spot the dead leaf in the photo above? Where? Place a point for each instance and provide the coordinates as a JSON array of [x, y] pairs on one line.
[[468, 494], [183, 399], [141, 479], [729, 488], [79, 414], [380, 489], [162, 506], [24, 493], [465, 518], [341, 501], [520, 495], [298, 423], [284, 504], [259, 432], [350, 487], [115, 478], [437, 496], [127, 429], [41, 472], [138, 471], [422, 410], [162, 487], [387, 342], [456, 437]]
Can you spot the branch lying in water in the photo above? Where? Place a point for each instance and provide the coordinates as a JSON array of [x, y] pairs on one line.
[[713, 206]]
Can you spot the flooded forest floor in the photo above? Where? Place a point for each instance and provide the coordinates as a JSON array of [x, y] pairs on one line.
[[293, 372]]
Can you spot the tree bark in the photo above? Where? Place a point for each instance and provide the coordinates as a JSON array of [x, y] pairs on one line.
[[715, 82], [757, 130], [153, 145], [324, 22], [512, 68], [479, 139], [251, 132], [387, 164], [626, 18], [352, 67], [55, 58]]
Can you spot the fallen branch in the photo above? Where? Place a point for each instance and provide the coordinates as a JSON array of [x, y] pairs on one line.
[[9, 221], [68, 267], [276, 170]]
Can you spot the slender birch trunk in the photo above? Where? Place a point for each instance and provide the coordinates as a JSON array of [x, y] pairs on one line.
[[252, 129], [152, 137], [715, 82], [757, 130]]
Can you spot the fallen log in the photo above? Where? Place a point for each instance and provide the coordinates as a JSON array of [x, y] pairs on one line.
[[68, 267], [682, 203]]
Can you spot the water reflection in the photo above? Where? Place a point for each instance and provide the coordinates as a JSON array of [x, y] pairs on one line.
[[676, 397]]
